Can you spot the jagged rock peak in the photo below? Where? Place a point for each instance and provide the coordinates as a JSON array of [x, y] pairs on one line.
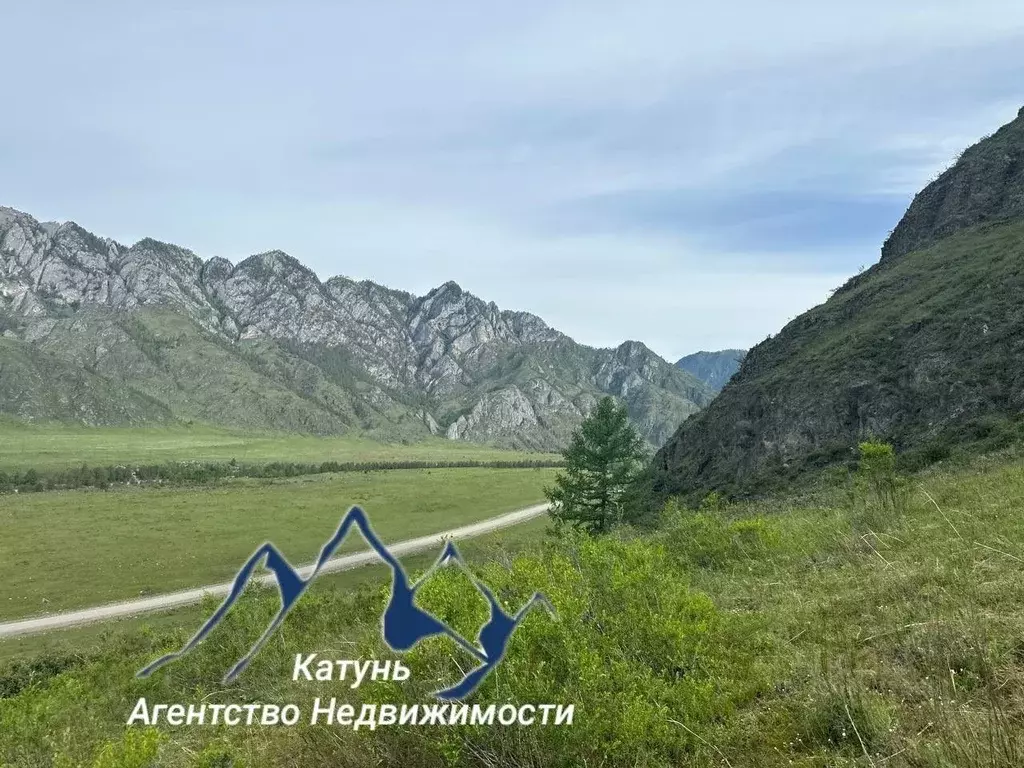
[[449, 287], [632, 348], [297, 353], [275, 260]]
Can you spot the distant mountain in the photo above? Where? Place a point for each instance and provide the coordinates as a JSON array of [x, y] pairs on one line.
[[925, 349], [713, 368], [101, 333]]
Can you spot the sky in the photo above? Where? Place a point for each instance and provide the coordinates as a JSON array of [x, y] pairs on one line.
[[691, 175]]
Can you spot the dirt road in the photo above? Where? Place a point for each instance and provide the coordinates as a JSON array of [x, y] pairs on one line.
[[190, 596]]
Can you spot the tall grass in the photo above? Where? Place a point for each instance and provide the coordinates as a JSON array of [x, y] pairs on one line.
[[830, 631]]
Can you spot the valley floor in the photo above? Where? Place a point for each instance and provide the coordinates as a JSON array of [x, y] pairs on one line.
[[74, 549], [827, 630], [61, 446]]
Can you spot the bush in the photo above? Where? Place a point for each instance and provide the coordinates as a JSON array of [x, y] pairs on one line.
[[703, 540], [876, 469], [632, 646]]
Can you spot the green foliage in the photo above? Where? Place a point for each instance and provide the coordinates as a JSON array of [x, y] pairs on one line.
[[22, 673], [136, 749], [603, 468], [713, 502], [876, 469], [632, 646], [703, 540]]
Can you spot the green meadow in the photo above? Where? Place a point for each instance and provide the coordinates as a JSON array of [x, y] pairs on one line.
[[71, 549], [829, 628], [61, 446], [75, 642]]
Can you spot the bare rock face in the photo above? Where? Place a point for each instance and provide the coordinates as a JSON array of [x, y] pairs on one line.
[[316, 356], [494, 413], [986, 184]]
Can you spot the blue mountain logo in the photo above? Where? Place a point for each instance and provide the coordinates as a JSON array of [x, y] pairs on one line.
[[403, 623]]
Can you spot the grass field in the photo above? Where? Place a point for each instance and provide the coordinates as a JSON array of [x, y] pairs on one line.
[[819, 631], [59, 446], [90, 638], [62, 550]]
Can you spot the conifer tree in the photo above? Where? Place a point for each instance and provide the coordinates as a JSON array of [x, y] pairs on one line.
[[603, 469]]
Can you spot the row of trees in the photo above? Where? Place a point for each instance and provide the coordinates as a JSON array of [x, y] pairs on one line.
[[195, 472]]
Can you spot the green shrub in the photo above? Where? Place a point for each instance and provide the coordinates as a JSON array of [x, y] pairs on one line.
[[632, 646], [876, 470], [136, 749], [702, 540]]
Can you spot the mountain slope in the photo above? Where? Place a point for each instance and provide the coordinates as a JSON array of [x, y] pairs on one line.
[[265, 344], [985, 185], [925, 349], [35, 385], [713, 368]]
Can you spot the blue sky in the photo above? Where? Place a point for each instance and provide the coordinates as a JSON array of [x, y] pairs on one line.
[[689, 175]]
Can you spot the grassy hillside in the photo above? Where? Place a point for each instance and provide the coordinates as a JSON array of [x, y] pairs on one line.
[[74, 549], [818, 631], [201, 377], [925, 351], [36, 385]]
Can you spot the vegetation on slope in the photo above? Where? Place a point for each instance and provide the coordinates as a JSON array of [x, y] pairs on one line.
[[925, 351], [36, 385]]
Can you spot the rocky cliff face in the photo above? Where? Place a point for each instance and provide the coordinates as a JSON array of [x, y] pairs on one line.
[[985, 185], [713, 368], [265, 343], [925, 349]]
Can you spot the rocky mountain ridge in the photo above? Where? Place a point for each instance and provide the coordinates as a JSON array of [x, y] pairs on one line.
[[333, 355]]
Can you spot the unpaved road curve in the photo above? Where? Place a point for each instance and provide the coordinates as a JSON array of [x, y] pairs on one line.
[[190, 596]]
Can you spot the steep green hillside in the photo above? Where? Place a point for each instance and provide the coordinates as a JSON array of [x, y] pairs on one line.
[[36, 385], [926, 351], [201, 377]]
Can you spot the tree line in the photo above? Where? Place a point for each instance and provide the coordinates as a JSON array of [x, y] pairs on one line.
[[197, 472]]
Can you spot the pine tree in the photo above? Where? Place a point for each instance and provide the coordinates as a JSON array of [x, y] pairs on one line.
[[603, 469]]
